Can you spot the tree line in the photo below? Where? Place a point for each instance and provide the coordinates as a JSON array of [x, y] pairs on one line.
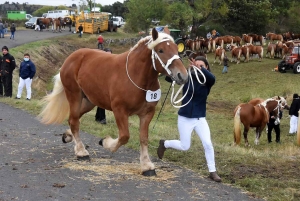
[[230, 16]]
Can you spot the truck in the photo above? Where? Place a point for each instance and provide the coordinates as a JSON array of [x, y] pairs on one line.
[[118, 21], [291, 62], [56, 13], [18, 15], [95, 22]]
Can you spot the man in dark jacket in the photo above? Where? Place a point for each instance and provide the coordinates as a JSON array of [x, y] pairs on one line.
[[1, 84], [274, 122], [27, 71], [8, 65], [80, 29], [293, 112]]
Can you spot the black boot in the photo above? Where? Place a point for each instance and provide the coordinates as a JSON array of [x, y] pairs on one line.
[[161, 149]]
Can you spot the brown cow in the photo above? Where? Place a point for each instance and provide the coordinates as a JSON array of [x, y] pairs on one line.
[[259, 50], [220, 53]]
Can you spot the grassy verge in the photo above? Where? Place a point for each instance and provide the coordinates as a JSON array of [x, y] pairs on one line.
[[269, 171]]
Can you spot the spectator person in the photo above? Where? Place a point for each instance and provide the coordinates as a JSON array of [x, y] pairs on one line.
[[100, 42], [192, 117], [1, 29], [37, 26], [27, 71], [12, 31], [70, 24], [1, 84], [8, 65], [208, 35], [5, 27], [225, 63], [293, 112], [100, 114], [80, 29], [274, 122]]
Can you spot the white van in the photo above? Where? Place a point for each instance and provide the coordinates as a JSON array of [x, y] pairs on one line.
[[57, 13], [118, 21]]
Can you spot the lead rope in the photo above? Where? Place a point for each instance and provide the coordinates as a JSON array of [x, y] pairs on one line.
[[174, 102]]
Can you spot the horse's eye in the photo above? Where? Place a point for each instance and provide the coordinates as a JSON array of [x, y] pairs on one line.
[[160, 51]]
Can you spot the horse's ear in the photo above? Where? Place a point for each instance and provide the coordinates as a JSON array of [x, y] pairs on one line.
[[166, 30], [154, 34], [279, 98]]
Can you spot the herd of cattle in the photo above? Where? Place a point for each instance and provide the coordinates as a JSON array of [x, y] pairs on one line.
[[248, 46]]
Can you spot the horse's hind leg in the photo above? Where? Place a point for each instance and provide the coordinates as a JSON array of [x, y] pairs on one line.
[[78, 107], [111, 144], [246, 129]]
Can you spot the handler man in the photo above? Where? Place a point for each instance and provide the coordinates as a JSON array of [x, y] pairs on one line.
[[8, 65]]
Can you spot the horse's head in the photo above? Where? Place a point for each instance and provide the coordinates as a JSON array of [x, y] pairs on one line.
[[165, 58], [282, 102]]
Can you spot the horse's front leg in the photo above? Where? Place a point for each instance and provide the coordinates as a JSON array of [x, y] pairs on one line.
[[122, 123], [148, 168]]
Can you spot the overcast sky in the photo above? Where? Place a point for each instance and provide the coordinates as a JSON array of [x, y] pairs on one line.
[[64, 2]]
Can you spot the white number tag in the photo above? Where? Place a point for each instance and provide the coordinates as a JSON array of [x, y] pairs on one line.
[[152, 96]]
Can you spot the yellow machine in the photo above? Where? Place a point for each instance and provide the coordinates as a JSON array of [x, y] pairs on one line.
[[95, 22]]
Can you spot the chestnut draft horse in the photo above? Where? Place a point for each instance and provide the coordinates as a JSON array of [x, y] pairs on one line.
[[254, 116], [90, 78], [273, 36]]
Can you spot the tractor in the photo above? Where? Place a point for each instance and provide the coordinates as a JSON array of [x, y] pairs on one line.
[[175, 33], [291, 62]]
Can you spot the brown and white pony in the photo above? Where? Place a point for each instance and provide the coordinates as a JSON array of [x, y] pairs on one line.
[[220, 54]]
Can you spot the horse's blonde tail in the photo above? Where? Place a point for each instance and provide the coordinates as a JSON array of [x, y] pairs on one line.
[[262, 53], [272, 52], [239, 56], [237, 127], [247, 54], [56, 107], [298, 130]]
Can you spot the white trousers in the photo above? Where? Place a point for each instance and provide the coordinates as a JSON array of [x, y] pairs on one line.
[[293, 124], [37, 27], [27, 82], [185, 128]]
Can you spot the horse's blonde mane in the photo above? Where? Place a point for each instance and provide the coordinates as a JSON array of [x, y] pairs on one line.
[[151, 44], [160, 38], [266, 101]]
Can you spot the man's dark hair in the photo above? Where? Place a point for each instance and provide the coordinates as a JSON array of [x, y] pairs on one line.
[[26, 54], [107, 50]]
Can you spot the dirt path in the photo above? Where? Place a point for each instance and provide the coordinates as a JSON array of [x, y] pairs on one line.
[[36, 165]]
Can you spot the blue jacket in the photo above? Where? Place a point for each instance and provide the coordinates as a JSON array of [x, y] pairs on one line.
[[27, 69], [196, 108]]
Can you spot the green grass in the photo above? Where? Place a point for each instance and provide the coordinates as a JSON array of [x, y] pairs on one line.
[[269, 171]]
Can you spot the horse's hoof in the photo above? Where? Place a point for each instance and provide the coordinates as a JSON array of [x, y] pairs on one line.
[[83, 158], [149, 173], [101, 142], [64, 136]]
